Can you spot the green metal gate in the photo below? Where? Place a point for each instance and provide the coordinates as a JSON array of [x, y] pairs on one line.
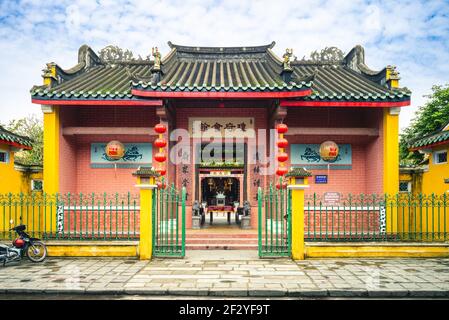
[[274, 222], [169, 222]]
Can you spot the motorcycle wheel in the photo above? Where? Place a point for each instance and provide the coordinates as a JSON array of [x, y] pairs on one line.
[[37, 252]]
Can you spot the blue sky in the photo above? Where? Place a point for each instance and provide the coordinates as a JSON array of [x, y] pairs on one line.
[[413, 35]]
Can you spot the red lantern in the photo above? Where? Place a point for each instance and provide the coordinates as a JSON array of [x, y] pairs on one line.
[[282, 128], [160, 185], [329, 151], [282, 157], [161, 171], [282, 143], [160, 142], [160, 157], [114, 150], [281, 171], [160, 128]]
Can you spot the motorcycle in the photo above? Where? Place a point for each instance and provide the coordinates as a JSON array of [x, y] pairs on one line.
[[33, 248]]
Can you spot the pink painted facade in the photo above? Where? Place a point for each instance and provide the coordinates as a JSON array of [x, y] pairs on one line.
[[365, 175], [77, 175]]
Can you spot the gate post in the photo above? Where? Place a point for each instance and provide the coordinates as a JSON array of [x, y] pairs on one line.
[[298, 182], [145, 182]]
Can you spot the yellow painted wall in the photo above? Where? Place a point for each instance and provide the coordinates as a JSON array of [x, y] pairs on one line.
[[433, 180], [51, 150], [420, 215], [10, 179], [391, 162], [376, 250], [90, 249], [15, 182], [391, 151]]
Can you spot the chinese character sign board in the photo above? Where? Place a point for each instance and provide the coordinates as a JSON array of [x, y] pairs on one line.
[[136, 154], [221, 127]]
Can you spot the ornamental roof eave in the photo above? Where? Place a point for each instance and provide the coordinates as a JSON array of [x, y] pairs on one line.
[[429, 141], [15, 140]]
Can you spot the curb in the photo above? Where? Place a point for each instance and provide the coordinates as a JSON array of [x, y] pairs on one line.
[[334, 293]]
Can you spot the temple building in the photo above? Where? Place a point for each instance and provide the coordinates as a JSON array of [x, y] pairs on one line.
[[238, 92]]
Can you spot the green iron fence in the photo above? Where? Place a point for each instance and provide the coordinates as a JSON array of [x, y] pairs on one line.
[[401, 217], [169, 222], [274, 207], [72, 216]]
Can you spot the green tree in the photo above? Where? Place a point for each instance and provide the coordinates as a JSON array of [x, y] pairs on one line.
[[429, 118], [31, 127]]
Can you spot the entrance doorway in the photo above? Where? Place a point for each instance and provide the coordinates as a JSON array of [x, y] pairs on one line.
[[221, 182], [220, 196], [220, 193]]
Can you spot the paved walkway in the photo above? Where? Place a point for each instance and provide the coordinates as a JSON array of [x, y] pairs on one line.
[[231, 273]]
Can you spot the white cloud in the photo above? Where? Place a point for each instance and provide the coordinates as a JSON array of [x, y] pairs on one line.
[[413, 35]]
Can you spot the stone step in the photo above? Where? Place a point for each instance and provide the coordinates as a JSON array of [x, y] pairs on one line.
[[209, 241], [221, 246], [204, 235]]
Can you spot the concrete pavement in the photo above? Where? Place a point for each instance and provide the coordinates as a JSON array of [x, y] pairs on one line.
[[230, 274]]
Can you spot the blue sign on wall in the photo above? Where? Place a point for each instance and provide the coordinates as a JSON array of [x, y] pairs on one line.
[[308, 156], [136, 154], [321, 179]]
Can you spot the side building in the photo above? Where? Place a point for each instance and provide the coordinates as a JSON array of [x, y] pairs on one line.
[[16, 177], [435, 174]]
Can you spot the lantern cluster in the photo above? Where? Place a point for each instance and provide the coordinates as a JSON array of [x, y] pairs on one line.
[[161, 155], [282, 156]]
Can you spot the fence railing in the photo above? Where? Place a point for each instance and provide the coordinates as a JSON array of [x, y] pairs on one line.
[[169, 222], [401, 217], [72, 216], [274, 234]]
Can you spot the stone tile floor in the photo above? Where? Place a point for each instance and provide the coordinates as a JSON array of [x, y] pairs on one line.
[[231, 273]]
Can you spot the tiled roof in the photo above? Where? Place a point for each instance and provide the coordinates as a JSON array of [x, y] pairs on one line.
[[146, 172], [232, 69], [298, 172], [429, 140], [14, 139], [339, 82], [105, 81], [222, 69]]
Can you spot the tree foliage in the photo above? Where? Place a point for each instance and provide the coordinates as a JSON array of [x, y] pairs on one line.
[[429, 118], [31, 127]]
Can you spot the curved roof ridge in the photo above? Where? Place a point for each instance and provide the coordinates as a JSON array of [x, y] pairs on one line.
[[355, 60], [221, 50]]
